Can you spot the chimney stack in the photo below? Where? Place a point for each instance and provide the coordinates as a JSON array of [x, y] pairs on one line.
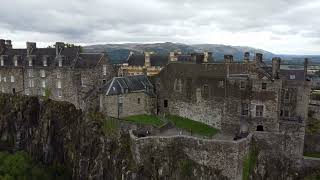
[[207, 57], [8, 44], [246, 58], [259, 57], [31, 47], [2, 45], [59, 47], [306, 62], [228, 58], [147, 59], [276, 67]]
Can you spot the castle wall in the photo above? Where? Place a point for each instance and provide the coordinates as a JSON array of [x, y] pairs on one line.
[[224, 156], [130, 104], [6, 84]]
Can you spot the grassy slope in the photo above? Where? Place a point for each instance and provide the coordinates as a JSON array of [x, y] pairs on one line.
[[180, 122], [145, 119]]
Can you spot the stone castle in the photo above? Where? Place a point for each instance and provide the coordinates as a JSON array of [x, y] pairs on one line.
[[61, 73], [249, 101]]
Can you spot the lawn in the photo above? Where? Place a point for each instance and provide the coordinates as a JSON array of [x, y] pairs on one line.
[[313, 154], [192, 126], [145, 119]]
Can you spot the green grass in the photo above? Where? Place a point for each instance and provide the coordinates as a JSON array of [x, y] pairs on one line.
[[111, 127], [312, 154], [249, 164], [192, 126], [145, 119], [183, 123]]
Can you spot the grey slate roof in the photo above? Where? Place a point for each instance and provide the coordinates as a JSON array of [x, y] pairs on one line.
[[71, 57], [128, 84]]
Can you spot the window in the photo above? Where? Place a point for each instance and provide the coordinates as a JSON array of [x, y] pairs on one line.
[[12, 79], [58, 74], [138, 100], [178, 85], [27, 91], [104, 69], [2, 62], [42, 73], [4, 79], [83, 82], [45, 63], [59, 84], [30, 73], [244, 109], [205, 91], [287, 95], [264, 86], [2, 90], [43, 93], [259, 111], [165, 103], [242, 85], [292, 77], [31, 83], [286, 113], [60, 62], [221, 84], [30, 62], [15, 62], [59, 93], [0, 78], [259, 128], [43, 83]]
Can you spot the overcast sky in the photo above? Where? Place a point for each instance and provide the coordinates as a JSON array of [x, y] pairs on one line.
[[279, 26]]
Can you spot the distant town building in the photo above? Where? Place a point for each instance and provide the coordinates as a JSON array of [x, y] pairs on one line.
[[60, 73], [151, 64]]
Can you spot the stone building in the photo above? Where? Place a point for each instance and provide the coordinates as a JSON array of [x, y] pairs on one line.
[[151, 64], [60, 73], [234, 96], [127, 96]]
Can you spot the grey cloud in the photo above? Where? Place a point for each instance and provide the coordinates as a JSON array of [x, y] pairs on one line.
[[157, 20]]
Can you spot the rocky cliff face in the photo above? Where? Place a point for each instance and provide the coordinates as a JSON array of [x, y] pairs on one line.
[[56, 132]]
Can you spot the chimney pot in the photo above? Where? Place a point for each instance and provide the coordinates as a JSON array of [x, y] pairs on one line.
[[259, 57], [246, 57]]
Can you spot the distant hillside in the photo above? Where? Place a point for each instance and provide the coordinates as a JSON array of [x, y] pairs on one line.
[[119, 52]]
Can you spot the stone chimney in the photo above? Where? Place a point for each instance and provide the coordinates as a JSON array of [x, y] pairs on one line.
[[259, 57], [147, 57], [173, 56], [246, 57], [31, 47], [276, 67], [59, 47], [2, 45], [207, 57], [8, 44], [306, 63], [228, 58]]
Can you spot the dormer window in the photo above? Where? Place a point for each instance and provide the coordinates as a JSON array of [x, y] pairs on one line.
[[45, 63], [30, 62], [60, 62]]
